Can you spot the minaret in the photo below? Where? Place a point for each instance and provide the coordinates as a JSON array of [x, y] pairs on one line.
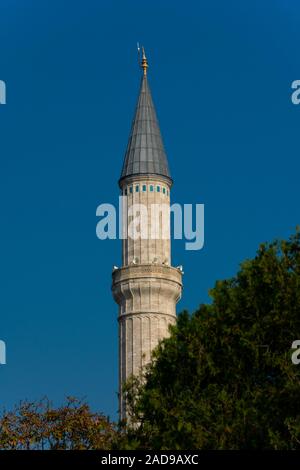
[[146, 287]]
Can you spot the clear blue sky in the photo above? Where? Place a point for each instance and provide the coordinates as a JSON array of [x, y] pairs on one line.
[[220, 76]]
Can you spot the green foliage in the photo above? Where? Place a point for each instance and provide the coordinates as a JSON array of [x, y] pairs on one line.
[[224, 379]]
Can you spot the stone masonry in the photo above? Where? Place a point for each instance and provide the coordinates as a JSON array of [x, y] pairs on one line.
[[146, 287]]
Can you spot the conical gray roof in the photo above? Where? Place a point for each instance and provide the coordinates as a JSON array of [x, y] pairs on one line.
[[145, 152]]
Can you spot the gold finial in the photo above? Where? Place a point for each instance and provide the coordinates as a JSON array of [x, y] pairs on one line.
[[144, 64]]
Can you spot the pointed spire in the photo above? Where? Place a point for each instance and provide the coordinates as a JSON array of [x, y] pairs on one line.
[[145, 152]]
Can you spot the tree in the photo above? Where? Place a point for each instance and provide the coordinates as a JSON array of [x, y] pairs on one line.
[[224, 379], [39, 426]]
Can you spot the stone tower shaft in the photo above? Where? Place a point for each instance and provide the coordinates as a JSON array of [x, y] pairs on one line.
[[146, 287]]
